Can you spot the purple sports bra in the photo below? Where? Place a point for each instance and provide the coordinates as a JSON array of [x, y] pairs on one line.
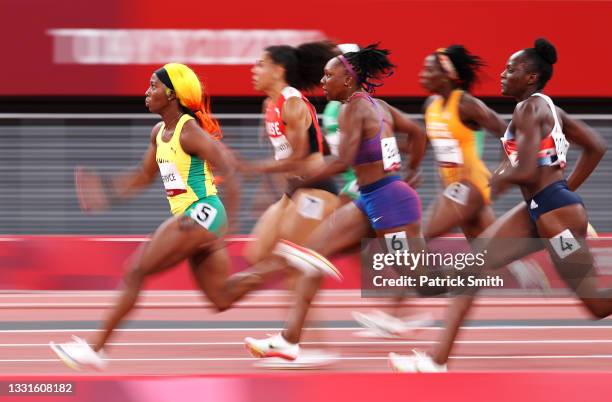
[[370, 150]]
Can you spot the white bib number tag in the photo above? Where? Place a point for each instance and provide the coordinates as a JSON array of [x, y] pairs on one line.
[[204, 214], [333, 140], [396, 242], [282, 147], [392, 160], [173, 182], [353, 187], [448, 152], [457, 192], [311, 207], [565, 243], [562, 146]]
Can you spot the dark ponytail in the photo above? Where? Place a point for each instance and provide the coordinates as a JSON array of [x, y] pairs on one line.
[[303, 64], [465, 64]]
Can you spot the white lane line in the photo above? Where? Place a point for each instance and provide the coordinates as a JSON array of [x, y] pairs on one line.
[[347, 343], [220, 359], [498, 327]]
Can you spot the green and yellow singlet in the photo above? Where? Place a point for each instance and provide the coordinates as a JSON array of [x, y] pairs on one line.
[[186, 178]]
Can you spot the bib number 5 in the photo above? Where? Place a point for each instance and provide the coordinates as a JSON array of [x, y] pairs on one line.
[[204, 214]]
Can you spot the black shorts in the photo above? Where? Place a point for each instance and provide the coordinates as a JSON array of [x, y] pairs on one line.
[[553, 196]]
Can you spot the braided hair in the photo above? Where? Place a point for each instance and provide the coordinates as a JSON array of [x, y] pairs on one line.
[[371, 65]]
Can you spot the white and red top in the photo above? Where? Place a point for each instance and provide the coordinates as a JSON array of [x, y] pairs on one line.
[[553, 148], [275, 126]]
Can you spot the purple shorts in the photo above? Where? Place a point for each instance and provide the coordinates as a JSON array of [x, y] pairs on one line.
[[389, 203]]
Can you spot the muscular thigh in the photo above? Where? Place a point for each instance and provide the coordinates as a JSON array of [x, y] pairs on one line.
[[308, 209], [565, 230], [511, 237], [459, 204], [344, 228], [266, 231], [176, 239]]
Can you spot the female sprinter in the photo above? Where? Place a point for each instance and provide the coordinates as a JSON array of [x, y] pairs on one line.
[[182, 147], [452, 116], [386, 203], [291, 124], [553, 215]]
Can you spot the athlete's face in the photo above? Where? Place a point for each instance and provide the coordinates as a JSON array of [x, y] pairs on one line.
[[265, 73], [432, 77], [335, 80], [156, 97], [516, 77]]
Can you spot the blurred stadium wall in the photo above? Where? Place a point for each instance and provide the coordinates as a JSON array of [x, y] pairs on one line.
[[73, 82]]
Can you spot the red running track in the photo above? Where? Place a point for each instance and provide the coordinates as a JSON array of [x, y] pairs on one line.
[[177, 334], [512, 334]]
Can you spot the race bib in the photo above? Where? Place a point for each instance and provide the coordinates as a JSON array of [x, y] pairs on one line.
[[173, 182], [457, 192], [396, 242], [282, 147], [562, 146], [448, 152], [333, 140], [392, 160], [353, 187], [204, 214], [311, 207], [564, 243]]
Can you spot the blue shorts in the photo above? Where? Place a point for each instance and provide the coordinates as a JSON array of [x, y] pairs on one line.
[[389, 203], [554, 196]]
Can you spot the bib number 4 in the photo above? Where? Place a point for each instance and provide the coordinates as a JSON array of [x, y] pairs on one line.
[[565, 243]]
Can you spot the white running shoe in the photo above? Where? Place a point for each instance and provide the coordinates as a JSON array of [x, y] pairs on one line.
[[78, 353], [418, 362], [306, 259], [308, 359], [381, 324], [274, 346]]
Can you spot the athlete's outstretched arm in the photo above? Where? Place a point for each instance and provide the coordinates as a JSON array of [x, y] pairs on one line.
[[297, 119], [593, 148], [350, 124], [474, 110], [197, 142], [126, 185]]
